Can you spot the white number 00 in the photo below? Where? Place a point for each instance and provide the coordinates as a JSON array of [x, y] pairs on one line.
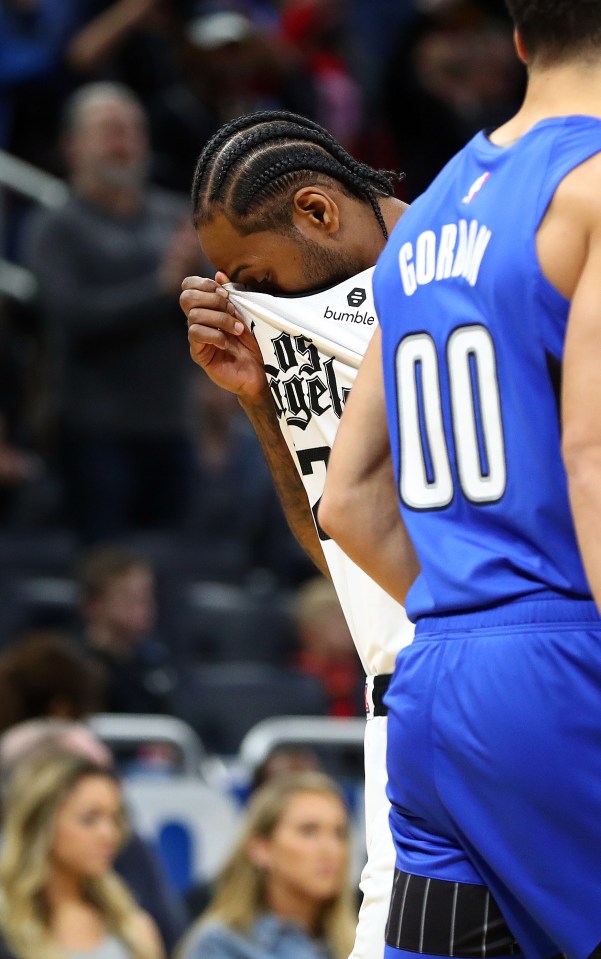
[[426, 480]]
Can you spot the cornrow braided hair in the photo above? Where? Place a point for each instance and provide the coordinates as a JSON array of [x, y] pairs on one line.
[[252, 164]]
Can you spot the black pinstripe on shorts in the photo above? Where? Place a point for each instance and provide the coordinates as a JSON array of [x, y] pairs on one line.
[[444, 918]]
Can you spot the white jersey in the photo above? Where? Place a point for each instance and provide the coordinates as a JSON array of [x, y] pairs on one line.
[[312, 347]]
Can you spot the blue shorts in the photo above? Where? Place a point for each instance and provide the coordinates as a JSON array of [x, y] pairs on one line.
[[494, 766]]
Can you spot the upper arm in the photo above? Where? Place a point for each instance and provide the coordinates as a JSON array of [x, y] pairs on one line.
[[360, 505], [581, 382], [361, 443]]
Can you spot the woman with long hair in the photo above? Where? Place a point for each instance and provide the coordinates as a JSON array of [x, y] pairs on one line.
[[59, 898], [284, 891]]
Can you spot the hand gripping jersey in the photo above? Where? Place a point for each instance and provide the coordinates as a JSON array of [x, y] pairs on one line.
[[312, 347], [473, 338]]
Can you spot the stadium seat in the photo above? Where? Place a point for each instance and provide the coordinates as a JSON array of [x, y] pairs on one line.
[[191, 825], [223, 701], [225, 623], [32, 601], [44, 552], [127, 735]]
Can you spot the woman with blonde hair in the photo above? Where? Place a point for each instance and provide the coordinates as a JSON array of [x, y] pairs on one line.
[[284, 891], [59, 898]]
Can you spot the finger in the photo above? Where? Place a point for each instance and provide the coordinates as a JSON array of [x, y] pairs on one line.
[[215, 320], [199, 336], [207, 299], [211, 301], [203, 283], [222, 277], [218, 303], [231, 307]]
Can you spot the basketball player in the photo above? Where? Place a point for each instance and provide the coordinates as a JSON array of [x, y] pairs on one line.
[[280, 206], [489, 298]]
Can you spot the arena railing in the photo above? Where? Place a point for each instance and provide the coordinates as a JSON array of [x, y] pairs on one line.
[[42, 188], [305, 730], [121, 731]]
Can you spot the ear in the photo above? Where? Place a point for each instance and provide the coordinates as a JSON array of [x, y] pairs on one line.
[[315, 209], [259, 852], [519, 45]]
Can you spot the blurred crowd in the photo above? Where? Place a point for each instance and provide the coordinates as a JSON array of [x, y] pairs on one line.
[[110, 438], [145, 563], [77, 879], [104, 427]]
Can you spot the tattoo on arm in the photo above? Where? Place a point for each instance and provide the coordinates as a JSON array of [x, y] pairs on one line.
[[288, 484]]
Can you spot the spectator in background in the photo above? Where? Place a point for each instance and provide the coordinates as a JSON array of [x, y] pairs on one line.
[[326, 649], [229, 460], [127, 41], [228, 65], [21, 473], [453, 72], [135, 862], [33, 82], [240, 68], [64, 822], [282, 760], [25, 739], [317, 31], [284, 890], [108, 261], [47, 675], [119, 610]]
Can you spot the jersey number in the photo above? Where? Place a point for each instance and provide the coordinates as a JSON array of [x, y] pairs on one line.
[[307, 460], [426, 480]]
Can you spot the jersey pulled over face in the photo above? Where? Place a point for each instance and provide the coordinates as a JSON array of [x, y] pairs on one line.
[[473, 336], [312, 347]]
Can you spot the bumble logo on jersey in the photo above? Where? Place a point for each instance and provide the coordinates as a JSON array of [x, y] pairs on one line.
[[344, 317], [356, 297]]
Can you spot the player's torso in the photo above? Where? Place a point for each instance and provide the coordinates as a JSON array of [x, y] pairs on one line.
[[312, 347], [473, 339]]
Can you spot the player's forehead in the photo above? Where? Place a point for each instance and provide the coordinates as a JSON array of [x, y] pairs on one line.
[[229, 250]]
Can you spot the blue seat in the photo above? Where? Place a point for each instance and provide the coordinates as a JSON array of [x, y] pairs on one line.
[[191, 825]]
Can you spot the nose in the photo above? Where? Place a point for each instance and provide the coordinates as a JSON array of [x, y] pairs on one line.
[[109, 832], [334, 846]]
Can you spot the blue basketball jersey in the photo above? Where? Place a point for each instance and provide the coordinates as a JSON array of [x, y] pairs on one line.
[[473, 338]]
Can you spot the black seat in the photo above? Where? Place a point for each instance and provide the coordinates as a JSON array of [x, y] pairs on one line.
[[32, 602], [226, 623], [176, 556], [47, 552], [222, 702]]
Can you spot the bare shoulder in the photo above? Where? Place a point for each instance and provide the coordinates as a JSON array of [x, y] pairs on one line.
[[580, 191], [146, 933], [572, 222]]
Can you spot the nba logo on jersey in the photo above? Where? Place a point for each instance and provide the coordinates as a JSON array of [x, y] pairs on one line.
[[476, 187]]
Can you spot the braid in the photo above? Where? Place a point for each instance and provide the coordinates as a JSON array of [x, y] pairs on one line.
[[229, 131], [256, 159]]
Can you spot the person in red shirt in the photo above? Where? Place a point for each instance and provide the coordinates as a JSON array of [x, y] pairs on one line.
[[325, 648]]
